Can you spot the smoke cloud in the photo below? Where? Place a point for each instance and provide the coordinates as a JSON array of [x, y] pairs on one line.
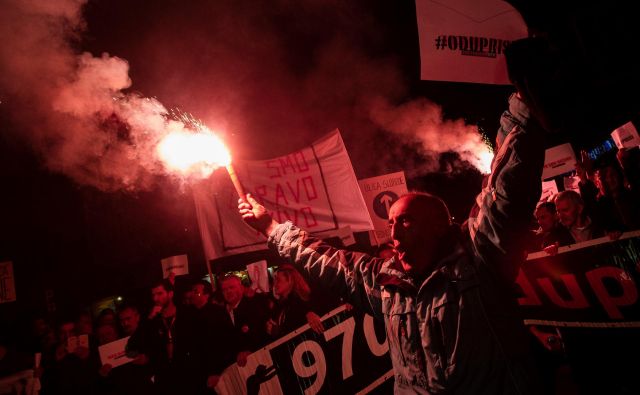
[[423, 121], [282, 73]]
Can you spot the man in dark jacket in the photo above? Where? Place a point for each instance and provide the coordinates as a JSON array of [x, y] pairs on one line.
[[240, 326], [446, 299]]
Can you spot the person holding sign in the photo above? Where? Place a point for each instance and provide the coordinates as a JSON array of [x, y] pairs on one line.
[[447, 298]]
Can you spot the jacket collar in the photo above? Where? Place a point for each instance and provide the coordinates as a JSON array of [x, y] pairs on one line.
[[392, 274]]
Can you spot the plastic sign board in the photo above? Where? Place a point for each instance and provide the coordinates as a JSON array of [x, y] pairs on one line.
[[379, 194], [178, 264], [464, 40], [114, 353], [626, 136], [558, 160], [549, 189]]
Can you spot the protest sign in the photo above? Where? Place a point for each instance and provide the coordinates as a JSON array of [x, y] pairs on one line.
[[177, 264], [558, 160], [379, 194], [626, 136], [114, 353], [314, 187], [549, 189], [464, 40], [7, 283]]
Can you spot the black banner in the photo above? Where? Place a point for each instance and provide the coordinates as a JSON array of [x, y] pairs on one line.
[[593, 284], [350, 356]]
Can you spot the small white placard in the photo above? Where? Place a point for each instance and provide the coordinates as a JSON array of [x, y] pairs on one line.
[[626, 136], [259, 276], [549, 189], [379, 194], [114, 353], [178, 264], [558, 160]]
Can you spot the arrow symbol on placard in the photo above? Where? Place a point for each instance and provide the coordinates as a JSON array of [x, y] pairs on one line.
[[382, 204], [387, 201]]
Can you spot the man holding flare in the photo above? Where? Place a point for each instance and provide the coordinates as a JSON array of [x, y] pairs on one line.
[[447, 298]]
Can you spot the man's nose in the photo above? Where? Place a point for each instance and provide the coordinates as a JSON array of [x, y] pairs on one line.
[[395, 232]]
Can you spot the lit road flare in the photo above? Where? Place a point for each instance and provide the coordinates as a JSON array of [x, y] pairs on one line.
[[197, 153], [484, 161], [193, 153]]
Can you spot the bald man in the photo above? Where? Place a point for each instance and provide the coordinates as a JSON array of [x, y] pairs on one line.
[[446, 298]]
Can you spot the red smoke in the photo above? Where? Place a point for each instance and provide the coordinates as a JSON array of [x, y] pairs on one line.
[[238, 66]]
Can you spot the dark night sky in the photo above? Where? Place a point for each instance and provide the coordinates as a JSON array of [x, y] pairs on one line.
[[85, 243]]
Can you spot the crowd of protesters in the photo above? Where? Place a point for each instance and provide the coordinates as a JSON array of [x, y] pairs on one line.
[[606, 204], [182, 345]]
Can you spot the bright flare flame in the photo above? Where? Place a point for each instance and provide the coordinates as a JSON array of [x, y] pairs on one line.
[[484, 161], [193, 154]]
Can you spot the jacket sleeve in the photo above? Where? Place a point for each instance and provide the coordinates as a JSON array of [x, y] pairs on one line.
[[504, 208], [345, 273]]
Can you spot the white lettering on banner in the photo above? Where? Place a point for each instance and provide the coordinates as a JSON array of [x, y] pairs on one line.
[[317, 368], [347, 327], [307, 361], [378, 349]]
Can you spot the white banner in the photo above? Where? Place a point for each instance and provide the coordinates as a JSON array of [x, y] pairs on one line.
[[464, 40], [558, 160], [177, 264], [380, 193], [114, 353], [7, 283], [626, 136], [314, 187]]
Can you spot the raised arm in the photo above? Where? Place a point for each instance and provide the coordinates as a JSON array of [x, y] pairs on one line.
[[346, 273], [505, 206]]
